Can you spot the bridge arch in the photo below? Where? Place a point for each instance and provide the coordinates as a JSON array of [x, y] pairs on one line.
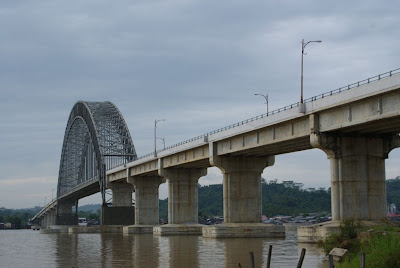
[[96, 139]]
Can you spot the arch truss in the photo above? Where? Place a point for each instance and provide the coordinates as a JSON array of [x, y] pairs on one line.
[[96, 139]]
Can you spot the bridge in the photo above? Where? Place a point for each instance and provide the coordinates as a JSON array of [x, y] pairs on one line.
[[96, 140], [356, 126]]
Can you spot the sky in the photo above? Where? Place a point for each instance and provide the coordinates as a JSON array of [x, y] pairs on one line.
[[196, 64]]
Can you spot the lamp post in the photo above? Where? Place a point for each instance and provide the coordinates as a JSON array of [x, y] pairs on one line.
[[303, 46], [163, 140], [265, 97], [155, 135]]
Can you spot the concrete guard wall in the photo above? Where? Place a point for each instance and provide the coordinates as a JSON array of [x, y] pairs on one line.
[[117, 215]]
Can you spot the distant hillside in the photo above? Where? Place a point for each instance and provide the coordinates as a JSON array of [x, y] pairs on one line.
[[91, 207], [17, 216], [287, 198]]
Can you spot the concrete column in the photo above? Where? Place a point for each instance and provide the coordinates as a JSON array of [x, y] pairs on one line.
[[362, 178], [183, 194], [65, 215], [121, 212], [122, 194], [335, 188], [146, 199], [242, 197], [242, 187], [358, 184], [45, 220], [53, 216]]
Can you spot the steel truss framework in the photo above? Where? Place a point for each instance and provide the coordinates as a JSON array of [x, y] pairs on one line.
[[96, 139]]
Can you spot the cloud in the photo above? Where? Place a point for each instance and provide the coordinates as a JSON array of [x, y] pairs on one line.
[[27, 181], [195, 63]]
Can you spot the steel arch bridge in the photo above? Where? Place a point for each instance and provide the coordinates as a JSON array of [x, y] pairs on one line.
[[96, 139]]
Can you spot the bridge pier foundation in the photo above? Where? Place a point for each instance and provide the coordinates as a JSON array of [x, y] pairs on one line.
[[49, 218], [122, 212], [65, 215], [146, 204], [242, 198], [182, 201], [358, 184]]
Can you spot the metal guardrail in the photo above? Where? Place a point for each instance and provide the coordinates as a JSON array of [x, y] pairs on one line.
[[288, 107]]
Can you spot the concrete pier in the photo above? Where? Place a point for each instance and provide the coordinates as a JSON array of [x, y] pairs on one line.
[[242, 198], [65, 215], [358, 185], [182, 201], [122, 212], [146, 204]]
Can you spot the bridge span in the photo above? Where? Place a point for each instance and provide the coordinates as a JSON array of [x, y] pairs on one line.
[[356, 126]]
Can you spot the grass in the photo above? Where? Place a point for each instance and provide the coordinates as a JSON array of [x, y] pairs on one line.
[[346, 238], [380, 251], [381, 245]]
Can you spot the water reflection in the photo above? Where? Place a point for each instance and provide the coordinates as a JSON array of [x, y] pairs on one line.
[[237, 251], [183, 252], [146, 251], [130, 250]]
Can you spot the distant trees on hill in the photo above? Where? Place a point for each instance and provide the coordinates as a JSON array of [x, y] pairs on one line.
[[286, 198]]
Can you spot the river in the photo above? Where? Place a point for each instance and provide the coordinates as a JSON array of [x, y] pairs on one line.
[[27, 248]]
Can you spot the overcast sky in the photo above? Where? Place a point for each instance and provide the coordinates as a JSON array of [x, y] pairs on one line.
[[195, 63]]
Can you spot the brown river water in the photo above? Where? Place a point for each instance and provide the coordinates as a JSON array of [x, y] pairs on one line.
[[27, 248]]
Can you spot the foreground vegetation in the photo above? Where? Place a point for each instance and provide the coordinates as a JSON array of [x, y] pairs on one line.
[[381, 244], [380, 251]]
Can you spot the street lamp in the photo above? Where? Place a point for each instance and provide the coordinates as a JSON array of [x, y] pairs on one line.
[[303, 46], [265, 97], [155, 135], [163, 140]]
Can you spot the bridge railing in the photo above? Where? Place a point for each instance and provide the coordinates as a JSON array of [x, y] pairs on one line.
[[288, 107]]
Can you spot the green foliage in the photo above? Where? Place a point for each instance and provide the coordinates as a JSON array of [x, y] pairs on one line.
[[393, 190], [210, 200], [163, 209], [286, 198], [17, 217], [346, 238], [349, 229], [89, 214], [380, 251], [289, 198]]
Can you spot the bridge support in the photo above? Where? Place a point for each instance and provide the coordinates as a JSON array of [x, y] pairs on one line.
[[242, 198], [182, 201], [65, 215], [358, 185], [122, 212], [146, 204], [49, 218]]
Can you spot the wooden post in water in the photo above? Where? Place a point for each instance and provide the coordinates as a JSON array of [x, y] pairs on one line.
[[303, 252], [269, 256], [252, 259], [362, 260], [331, 261]]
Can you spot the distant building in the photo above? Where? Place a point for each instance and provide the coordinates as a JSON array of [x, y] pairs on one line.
[[391, 209], [7, 225], [283, 217]]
